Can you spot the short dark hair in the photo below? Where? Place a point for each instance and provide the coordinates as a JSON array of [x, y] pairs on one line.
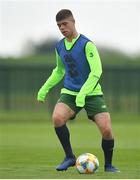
[[63, 14]]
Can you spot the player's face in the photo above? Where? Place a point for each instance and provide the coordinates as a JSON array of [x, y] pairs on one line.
[[67, 27]]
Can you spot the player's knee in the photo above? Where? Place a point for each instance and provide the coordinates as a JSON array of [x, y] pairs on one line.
[[107, 133], [58, 120]]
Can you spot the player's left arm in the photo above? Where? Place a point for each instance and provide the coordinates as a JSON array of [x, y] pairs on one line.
[[94, 61]]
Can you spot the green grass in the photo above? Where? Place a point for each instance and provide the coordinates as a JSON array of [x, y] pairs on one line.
[[30, 149]]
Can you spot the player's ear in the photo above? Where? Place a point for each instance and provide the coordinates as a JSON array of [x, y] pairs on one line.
[[73, 20]]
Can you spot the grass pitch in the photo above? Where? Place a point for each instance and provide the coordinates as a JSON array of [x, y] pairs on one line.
[[29, 147]]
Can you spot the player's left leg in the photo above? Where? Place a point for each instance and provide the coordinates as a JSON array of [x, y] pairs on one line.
[[97, 111], [103, 121]]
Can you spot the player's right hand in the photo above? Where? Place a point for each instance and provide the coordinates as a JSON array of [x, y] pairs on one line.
[[40, 99], [41, 95]]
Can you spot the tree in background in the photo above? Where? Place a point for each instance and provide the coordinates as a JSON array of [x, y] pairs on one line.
[[43, 47]]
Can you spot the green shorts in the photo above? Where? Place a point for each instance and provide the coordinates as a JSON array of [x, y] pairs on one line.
[[93, 104]]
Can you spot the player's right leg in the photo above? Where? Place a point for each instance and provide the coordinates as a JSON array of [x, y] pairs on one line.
[[62, 113]]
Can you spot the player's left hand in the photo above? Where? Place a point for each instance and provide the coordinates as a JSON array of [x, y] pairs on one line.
[[80, 100]]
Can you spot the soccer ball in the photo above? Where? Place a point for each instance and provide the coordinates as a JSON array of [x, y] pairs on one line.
[[87, 163]]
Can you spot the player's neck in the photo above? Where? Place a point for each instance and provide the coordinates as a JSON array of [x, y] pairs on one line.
[[73, 36]]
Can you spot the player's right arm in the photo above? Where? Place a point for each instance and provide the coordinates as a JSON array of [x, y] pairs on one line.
[[56, 76]]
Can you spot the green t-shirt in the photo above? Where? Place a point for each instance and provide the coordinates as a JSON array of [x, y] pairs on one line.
[[90, 87]]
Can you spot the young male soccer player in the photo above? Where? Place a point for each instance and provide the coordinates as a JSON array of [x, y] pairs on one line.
[[79, 63]]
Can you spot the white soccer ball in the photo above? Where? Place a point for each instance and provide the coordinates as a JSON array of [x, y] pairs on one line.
[[87, 163]]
